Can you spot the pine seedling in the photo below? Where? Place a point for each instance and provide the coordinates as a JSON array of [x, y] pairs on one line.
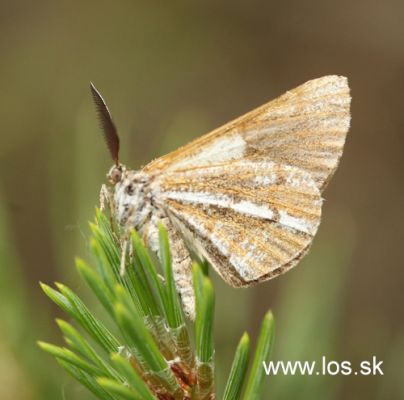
[[150, 354]]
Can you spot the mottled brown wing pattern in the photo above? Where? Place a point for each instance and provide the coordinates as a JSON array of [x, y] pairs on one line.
[[306, 128], [252, 220]]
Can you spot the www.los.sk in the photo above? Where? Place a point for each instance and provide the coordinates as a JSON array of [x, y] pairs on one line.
[[326, 367]]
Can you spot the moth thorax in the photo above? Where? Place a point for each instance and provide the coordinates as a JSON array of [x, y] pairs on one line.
[[132, 200]]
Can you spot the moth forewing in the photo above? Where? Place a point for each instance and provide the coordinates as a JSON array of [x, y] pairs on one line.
[[306, 128]]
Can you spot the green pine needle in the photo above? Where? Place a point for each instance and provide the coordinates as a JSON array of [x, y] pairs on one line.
[[86, 380], [262, 353], [131, 376], [118, 389], [238, 370]]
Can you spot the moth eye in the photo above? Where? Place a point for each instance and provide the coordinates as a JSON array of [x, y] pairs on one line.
[[115, 175], [130, 189]]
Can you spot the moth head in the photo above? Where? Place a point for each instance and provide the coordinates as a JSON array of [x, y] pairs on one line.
[[116, 174], [129, 195]]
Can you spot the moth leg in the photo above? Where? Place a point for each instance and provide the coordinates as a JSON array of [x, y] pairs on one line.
[[180, 258], [122, 268], [104, 198], [182, 269]]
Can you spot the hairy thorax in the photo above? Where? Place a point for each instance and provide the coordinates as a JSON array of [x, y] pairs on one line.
[[133, 200]]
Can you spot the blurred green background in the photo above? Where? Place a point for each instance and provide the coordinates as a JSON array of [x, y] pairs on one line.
[[171, 71]]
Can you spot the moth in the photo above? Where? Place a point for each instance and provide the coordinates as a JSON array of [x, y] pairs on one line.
[[246, 197]]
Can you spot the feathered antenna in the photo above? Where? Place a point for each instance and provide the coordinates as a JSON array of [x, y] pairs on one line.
[[108, 126]]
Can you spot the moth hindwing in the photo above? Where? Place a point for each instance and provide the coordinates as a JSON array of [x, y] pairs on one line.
[[247, 196]]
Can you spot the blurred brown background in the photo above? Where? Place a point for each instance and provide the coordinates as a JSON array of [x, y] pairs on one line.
[[171, 71]]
